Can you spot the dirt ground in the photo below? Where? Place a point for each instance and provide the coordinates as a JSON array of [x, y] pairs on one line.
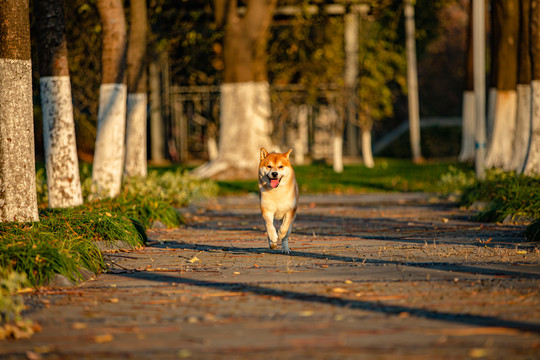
[[374, 276]]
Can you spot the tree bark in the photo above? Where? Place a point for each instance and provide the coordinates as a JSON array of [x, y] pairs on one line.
[[501, 144], [479, 56], [532, 162], [412, 83], [157, 131], [245, 98], [523, 117], [61, 161], [135, 161], [18, 200], [350, 77], [467, 129], [109, 149]]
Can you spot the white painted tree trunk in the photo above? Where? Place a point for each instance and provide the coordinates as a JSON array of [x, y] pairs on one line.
[[61, 161], [523, 127], [532, 162], [212, 148], [18, 199], [468, 125], [109, 152], [301, 141], [244, 128], [501, 145], [367, 154], [337, 153], [135, 160]]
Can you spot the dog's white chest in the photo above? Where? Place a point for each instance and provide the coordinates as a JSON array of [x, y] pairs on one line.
[[277, 206]]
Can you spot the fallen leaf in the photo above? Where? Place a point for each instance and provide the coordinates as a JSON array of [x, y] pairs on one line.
[[113, 300], [194, 259], [339, 290], [103, 338], [348, 282], [30, 355], [236, 273], [78, 326], [478, 353], [306, 313]]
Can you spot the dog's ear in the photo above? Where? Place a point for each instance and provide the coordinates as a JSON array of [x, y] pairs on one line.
[[287, 153], [264, 153]]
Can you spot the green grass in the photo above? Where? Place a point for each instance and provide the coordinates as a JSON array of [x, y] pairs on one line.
[[64, 240], [507, 195], [388, 175]]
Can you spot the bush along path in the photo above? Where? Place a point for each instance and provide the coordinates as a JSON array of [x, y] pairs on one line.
[[396, 275]]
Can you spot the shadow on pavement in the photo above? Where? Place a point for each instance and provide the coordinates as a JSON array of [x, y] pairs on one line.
[[477, 320]]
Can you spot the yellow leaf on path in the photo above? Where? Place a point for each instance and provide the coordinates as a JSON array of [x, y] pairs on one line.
[[103, 338], [78, 326], [339, 290], [306, 313], [194, 259]]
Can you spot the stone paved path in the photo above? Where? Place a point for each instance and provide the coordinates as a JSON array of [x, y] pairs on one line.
[[375, 276]]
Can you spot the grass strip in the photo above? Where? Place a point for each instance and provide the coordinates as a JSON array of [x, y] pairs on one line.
[[509, 196]]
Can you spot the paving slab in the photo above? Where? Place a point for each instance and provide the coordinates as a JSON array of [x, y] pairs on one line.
[[373, 276]]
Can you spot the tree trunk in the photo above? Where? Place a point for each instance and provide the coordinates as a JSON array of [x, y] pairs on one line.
[[109, 153], [479, 61], [157, 131], [501, 144], [350, 77], [18, 200], [412, 83], [62, 164], [532, 162], [523, 117], [135, 161], [467, 114], [245, 98], [367, 154], [337, 139], [301, 141]]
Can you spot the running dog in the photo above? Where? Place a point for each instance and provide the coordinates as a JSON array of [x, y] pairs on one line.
[[278, 194]]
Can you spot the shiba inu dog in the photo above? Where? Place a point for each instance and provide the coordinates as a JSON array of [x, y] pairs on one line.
[[278, 194]]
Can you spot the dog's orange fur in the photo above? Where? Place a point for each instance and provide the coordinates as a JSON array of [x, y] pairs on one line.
[[278, 194]]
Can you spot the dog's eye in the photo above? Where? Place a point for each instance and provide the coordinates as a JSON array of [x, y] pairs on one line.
[[269, 166], [280, 166]]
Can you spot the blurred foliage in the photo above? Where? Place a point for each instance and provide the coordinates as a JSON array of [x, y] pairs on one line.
[[306, 49], [388, 175]]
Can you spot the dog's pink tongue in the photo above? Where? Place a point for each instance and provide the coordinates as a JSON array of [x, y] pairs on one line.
[[274, 183]]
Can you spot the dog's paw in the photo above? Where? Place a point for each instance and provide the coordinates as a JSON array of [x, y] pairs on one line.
[[286, 251], [273, 246]]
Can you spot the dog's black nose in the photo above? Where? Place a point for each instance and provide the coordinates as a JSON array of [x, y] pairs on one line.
[[275, 174]]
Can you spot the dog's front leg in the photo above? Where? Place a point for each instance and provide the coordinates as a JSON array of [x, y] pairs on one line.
[[270, 229], [285, 231]]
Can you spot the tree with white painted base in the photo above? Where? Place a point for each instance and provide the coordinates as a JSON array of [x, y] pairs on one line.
[[523, 116], [245, 124], [109, 149], [501, 144], [135, 160], [468, 108], [62, 164], [18, 200], [532, 162]]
